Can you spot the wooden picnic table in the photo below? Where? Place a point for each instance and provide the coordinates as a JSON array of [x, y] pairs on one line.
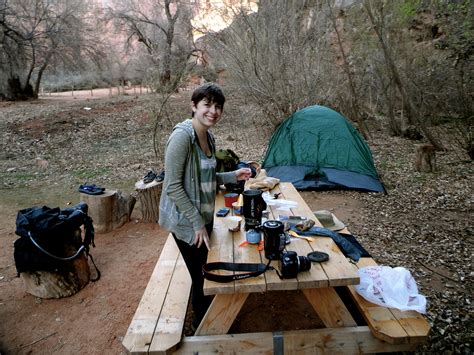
[[385, 330], [317, 283]]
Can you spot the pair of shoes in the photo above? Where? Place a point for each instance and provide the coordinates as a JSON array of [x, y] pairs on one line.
[[91, 189], [151, 175]]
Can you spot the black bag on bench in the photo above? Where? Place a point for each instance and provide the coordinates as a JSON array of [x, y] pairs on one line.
[[46, 232]]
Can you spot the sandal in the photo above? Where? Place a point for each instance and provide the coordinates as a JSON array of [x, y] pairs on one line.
[[91, 189]]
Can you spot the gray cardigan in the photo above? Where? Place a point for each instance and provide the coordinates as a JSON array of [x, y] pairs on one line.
[[180, 198]]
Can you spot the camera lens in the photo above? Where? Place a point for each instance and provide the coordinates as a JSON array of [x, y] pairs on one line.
[[304, 264]]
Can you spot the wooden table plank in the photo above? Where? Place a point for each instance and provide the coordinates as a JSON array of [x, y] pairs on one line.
[[339, 270], [415, 324], [351, 340], [221, 250]]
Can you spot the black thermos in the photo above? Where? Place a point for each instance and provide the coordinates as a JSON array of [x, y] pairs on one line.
[[254, 205], [274, 237]]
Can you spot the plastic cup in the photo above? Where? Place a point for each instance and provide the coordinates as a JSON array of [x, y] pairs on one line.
[[233, 223], [230, 198]]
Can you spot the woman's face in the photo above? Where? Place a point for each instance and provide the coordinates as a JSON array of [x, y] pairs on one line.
[[206, 113]]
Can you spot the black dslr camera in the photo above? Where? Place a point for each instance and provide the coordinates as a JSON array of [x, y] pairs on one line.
[[290, 263]]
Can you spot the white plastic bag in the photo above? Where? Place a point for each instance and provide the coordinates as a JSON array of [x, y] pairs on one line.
[[278, 203], [390, 287]]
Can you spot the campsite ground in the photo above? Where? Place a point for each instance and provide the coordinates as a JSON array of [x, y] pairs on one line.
[[50, 146]]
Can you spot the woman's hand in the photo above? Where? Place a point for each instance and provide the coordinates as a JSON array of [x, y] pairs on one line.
[[243, 174], [201, 236]]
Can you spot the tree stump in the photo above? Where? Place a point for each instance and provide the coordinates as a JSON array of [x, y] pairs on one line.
[[109, 210], [425, 158], [149, 198], [65, 281]]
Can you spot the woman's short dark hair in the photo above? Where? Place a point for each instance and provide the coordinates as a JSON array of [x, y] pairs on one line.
[[209, 91]]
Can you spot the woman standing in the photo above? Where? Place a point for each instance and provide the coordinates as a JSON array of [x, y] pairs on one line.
[[190, 186]]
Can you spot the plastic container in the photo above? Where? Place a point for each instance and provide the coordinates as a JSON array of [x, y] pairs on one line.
[[230, 198], [253, 237]]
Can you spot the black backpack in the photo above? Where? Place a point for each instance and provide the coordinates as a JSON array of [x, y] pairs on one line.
[[226, 160], [44, 232]]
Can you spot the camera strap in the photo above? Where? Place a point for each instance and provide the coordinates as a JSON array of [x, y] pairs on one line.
[[245, 270]]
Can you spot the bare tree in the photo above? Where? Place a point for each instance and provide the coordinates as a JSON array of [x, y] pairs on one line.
[[452, 33], [276, 58], [13, 53], [354, 97], [37, 32], [377, 15], [163, 28]]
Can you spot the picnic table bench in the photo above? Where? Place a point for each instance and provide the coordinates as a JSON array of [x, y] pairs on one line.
[[158, 323], [157, 326]]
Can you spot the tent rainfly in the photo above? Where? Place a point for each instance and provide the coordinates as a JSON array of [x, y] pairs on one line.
[[317, 148]]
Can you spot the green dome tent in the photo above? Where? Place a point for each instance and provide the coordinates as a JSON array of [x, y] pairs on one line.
[[317, 148]]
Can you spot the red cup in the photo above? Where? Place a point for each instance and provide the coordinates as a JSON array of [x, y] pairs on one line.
[[230, 198]]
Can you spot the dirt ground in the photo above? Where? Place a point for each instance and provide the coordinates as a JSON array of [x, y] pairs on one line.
[[50, 147]]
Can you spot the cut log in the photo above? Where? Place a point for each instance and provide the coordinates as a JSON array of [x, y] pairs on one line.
[[149, 198], [109, 210], [64, 282], [123, 208], [425, 158]]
